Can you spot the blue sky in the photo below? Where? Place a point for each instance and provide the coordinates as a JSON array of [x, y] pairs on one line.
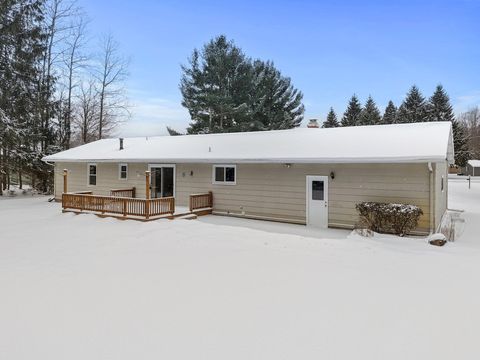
[[330, 49]]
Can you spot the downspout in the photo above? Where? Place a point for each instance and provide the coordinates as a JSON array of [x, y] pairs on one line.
[[431, 198]]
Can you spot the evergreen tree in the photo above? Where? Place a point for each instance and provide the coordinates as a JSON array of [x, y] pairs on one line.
[[351, 116], [413, 108], [460, 143], [275, 103], [214, 86], [225, 91], [173, 132], [390, 114], [370, 114], [22, 128], [438, 107], [331, 120]]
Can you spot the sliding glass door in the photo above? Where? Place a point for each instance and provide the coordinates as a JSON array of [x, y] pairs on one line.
[[162, 180]]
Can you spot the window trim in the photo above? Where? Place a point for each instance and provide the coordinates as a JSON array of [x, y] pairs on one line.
[[215, 166], [120, 172], [88, 174]]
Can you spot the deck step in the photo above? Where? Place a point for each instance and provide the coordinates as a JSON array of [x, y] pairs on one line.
[[188, 217]]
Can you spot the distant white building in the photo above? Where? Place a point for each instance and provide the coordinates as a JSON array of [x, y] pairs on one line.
[[473, 167]]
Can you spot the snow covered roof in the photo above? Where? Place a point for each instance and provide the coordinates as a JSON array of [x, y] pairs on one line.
[[417, 142], [474, 163]]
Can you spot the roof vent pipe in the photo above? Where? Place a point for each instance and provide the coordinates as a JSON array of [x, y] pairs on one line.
[[313, 124], [121, 143]]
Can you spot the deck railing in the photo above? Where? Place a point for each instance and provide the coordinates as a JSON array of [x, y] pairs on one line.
[[201, 201], [129, 193], [125, 206]]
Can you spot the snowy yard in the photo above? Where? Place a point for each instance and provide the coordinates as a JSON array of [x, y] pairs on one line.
[[81, 287]]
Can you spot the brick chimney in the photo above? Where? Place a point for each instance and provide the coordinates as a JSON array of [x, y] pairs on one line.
[[313, 124]]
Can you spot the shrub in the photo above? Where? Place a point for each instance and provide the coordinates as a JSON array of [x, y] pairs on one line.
[[399, 219]]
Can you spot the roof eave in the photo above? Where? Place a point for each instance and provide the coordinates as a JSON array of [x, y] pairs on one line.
[[263, 161]]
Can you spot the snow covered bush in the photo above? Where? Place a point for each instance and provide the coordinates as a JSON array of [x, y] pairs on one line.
[[399, 219]]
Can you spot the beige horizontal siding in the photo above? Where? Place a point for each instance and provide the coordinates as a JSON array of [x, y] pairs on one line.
[[272, 190], [107, 178], [275, 191]]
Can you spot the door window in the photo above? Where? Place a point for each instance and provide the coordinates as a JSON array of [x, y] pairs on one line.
[[317, 190]]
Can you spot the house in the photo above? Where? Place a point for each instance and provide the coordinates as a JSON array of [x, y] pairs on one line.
[[473, 168], [306, 175]]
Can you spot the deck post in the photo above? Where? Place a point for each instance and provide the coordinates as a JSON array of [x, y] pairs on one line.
[[65, 174], [210, 198], [147, 194]]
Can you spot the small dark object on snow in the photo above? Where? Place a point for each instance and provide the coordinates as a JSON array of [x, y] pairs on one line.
[[438, 242]]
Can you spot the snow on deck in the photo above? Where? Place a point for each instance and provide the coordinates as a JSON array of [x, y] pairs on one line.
[[418, 142], [81, 287]]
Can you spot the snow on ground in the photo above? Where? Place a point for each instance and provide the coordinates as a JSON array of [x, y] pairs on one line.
[[14, 190], [82, 287]]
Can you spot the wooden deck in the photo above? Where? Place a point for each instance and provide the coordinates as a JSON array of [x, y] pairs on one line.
[[135, 208]]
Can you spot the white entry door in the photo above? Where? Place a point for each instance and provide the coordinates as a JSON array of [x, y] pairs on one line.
[[317, 201]]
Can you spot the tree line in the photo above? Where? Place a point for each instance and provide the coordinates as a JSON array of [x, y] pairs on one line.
[[59, 87], [414, 108]]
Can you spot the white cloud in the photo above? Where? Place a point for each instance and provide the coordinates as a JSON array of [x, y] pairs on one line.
[[151, 115], [466, 102]]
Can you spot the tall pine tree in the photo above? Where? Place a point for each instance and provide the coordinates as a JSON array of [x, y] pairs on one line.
[[351, 116], [275, 103], [438, 107], [390, 114], [413, 108], [460, 144], [22, 129], [225, 91], [370, 114], [331, 120]]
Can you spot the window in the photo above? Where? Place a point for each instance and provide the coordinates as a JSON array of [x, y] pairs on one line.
[[442, 182], [92, 174], [224, 174], [317, 190], [122, 171]]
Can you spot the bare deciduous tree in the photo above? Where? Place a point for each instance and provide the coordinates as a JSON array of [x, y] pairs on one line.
[[86, 113], [111, 75], [58, 24], [74, 61]]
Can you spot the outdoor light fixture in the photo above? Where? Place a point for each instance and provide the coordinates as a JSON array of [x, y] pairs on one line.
[[332, 175], [288, 166], [191, 172]]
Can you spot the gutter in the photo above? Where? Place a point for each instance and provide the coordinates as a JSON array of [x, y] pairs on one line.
[[266, 160]]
